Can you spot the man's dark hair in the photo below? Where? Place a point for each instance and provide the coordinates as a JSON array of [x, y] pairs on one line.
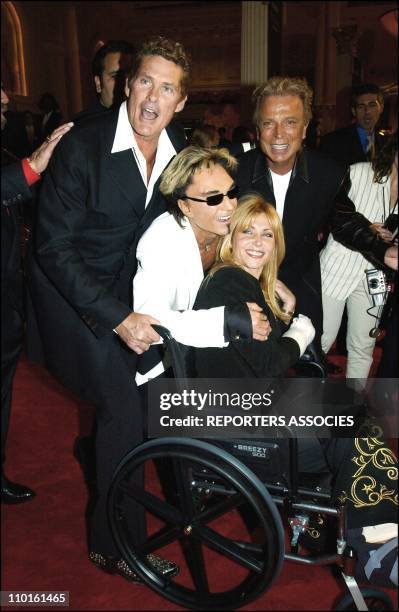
[[366, 88], [48, 102], [112, 46]]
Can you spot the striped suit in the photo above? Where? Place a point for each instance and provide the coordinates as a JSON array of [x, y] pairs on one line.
[[344, 279]]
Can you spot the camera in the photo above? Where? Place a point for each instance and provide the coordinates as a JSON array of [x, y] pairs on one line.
[[377, 286]]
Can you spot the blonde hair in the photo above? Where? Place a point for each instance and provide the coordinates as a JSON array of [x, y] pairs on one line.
[[179, 174], [284, 86], [249, 207]]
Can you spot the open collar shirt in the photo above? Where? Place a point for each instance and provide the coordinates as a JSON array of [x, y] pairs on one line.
[[125, 139]]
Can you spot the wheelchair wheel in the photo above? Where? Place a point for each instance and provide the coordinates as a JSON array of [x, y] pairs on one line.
[[223, 563], [374, 598]]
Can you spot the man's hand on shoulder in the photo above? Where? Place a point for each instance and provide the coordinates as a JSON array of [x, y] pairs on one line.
[[136, 331], [40, 158]]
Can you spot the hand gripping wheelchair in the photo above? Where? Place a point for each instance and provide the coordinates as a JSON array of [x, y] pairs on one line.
[[227, 505]]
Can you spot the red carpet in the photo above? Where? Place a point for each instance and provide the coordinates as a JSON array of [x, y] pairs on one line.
[[44, 541]]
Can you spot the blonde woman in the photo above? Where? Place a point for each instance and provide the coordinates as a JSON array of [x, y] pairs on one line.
[[248, 259]]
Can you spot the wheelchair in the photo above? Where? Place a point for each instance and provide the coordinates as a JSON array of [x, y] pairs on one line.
[[240, 506]]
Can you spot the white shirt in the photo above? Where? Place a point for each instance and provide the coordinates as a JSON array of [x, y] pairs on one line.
[[125, 139], [280, 186]]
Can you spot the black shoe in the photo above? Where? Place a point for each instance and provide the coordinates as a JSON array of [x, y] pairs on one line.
[[167, 569], [13, 493]]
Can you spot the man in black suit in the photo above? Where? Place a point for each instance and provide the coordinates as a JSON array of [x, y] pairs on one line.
[[99, 196], [110, 67], [304, 186], [17, 176], [360, 141]]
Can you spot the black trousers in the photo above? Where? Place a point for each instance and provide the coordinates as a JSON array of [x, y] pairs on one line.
[[11, 344], [119, 420]]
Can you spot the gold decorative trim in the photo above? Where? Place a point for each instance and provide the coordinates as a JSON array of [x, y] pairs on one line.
[[365, 491]]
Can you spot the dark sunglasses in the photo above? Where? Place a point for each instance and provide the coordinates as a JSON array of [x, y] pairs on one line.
[[216, 199]]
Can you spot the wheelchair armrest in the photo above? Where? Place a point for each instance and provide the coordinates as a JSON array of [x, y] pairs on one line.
[[175, 351], [164, 333], [314, 358]]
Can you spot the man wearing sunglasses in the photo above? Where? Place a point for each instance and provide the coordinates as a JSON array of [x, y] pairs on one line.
[[201, 192]]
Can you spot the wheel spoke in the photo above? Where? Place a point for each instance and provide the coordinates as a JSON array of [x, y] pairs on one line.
[[192, 549], [153, 504], [183, 486], [250, 547], [220, 507], [228, 548], [164, 536]]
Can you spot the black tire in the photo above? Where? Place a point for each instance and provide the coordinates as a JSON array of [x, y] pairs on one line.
[[191, 522], [374, 598]]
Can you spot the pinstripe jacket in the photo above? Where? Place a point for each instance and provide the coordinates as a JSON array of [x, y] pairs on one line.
[[341, 268]]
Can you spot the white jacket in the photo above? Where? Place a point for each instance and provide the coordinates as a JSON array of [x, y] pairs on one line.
[[168, 277]]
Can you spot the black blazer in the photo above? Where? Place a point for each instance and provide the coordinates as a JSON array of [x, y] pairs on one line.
[[314, 183], [228, 287], [14, 191], [345, 147], [91, 216]]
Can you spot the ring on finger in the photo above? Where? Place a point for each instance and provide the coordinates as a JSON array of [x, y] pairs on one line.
[[48, 138]]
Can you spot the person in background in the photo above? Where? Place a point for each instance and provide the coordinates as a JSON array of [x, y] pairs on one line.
[[17, 176], [14, 138], [313, 134], [224, 141], [360, 141], [374, 192], [51, 117], [110, 67], [30, 124], [243, 134], [205, 136]]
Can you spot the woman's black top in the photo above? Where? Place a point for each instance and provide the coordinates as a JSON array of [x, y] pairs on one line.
[[242, 359]]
